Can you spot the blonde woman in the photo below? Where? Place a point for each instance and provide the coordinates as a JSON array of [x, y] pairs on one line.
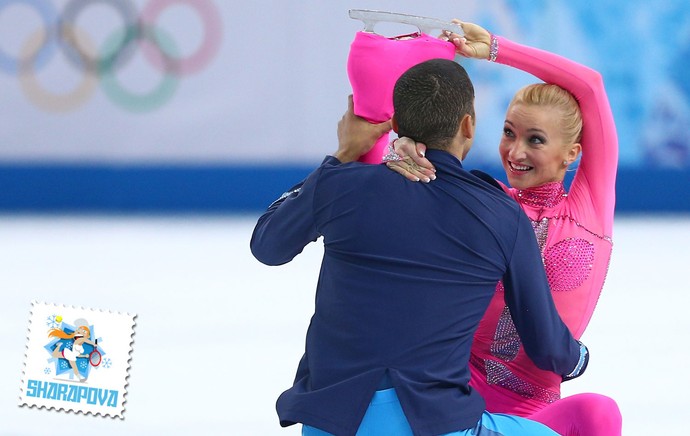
[[547, 126]]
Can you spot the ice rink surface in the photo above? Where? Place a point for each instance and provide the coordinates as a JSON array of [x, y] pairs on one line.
[[219, 335]]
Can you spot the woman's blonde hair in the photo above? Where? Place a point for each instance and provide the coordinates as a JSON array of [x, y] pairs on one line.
[[548, 95]]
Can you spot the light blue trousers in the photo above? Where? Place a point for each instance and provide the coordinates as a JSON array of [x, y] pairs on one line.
[[385, 417]]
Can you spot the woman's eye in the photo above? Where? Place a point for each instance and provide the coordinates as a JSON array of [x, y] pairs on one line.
[[507, 132], [536, 140]]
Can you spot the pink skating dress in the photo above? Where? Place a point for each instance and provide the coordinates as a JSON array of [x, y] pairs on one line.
[[574, 232], [374, 65]]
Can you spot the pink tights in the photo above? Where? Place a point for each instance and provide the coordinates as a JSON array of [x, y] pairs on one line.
[[582, 415]]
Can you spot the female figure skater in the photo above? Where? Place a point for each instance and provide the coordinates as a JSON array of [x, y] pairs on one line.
[[80, 336], [546, 127]]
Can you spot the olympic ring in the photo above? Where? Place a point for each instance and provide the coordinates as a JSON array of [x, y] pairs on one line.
[[42, 98], [157, 47], [48, 16], [212, 34], [120, 52], [155, 98]]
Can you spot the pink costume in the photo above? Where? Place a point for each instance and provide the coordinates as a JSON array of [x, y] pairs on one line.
[[574, 233], [374, 65]]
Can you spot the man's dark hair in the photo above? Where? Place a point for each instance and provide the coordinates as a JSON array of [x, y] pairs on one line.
[[429, 100]]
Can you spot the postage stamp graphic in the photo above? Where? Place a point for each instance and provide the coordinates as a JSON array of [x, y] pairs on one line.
[[77, 359]]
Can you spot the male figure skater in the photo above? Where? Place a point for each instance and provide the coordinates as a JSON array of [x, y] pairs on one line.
[[407, 273]]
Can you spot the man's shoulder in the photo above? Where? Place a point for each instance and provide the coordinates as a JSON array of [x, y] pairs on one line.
[[487, 178], [353, 169], [492, 192], [352, 177]]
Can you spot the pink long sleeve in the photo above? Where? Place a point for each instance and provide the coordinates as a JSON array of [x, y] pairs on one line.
[[573, 230]]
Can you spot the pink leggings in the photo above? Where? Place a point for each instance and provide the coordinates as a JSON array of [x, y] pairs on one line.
[[582, 415]]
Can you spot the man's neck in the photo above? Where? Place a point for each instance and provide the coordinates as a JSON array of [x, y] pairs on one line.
[[457, 150]]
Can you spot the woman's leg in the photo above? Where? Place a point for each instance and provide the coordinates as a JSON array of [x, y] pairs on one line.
[[73, 364], [374, 65], [582, 415], [57, 351]]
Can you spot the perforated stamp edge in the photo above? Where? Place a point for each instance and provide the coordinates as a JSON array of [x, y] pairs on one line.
[[99, 390]]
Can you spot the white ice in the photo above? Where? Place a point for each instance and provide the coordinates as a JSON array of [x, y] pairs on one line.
[[219, 335]]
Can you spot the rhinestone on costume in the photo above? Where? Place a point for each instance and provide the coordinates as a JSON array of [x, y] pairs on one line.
[[285, 195], [568, 263], [506, 343], [499, 374], [541, 231], [493, 49], [547, 195]]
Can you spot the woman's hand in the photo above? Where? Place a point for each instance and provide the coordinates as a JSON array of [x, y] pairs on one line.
[[356, 135], [476, 42], [411, 162]]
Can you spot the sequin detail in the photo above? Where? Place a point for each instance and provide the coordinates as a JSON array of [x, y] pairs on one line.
[[568, 263], [541, 231], [493, 49], [391, 155], [499, 374], [506, 343], [546, 196], [574, 221]]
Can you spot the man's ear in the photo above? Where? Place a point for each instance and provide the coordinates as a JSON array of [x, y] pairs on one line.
[[467, 126], [394, 123]]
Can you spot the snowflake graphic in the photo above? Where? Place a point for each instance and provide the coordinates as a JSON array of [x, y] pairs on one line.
[[51, 322], [107, 363], [47, 371]]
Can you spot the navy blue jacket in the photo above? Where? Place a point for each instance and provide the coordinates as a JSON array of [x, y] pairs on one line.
[[407, 274]]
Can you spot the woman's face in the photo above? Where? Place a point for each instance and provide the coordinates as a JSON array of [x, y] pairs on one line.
[[81, 333], [532, 148]]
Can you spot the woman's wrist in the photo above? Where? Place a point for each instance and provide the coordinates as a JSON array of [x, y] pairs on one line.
[[391, 155], [493, 48]]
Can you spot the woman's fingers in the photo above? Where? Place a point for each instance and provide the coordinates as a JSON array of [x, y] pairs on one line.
[[411, 171]]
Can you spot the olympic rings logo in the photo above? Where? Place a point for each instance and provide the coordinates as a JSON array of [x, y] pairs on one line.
[[61, 34]]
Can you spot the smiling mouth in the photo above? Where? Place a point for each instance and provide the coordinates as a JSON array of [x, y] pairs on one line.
[[517, 168]]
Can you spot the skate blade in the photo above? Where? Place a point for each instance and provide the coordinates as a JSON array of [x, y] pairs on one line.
[[424, 24]]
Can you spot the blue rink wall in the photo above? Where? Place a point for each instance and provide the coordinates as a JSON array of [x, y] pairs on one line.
[[241, 189]]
